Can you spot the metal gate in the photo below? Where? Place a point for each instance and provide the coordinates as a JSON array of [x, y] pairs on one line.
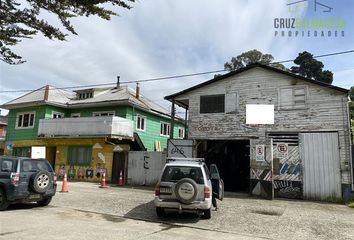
[[321, 166]]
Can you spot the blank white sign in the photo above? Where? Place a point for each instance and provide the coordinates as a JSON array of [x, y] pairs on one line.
[[259, 114], [38, 152]]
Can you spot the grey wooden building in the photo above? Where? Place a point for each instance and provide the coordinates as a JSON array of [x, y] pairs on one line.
[[304, 154]]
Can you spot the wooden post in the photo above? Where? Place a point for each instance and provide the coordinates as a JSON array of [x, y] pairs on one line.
[[272, 167], [172, 118], [185, 125]]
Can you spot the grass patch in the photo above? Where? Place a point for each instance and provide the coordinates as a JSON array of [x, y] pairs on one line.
[[351, 204]]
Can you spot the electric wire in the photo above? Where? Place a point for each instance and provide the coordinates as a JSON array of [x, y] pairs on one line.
[[163, 78]]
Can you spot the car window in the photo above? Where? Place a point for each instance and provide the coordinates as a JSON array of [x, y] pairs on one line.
[[32, 165], [6, 165], [176, 173], [206, 171]]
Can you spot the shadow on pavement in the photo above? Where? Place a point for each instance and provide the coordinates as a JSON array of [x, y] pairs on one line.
[[147, 212], [24, 206]]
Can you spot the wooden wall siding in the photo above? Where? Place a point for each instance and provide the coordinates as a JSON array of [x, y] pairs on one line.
[[325, 111]]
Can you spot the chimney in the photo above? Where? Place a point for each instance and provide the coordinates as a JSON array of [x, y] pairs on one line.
[[137, 91], [46, 93], [118, 83]]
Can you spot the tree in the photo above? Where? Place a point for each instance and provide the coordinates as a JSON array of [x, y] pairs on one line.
[[250, 57], [311, 68], [21, 19]]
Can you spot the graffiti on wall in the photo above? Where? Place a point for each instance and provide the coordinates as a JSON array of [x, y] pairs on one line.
[[290, 166], [287, 189], [287, 176]]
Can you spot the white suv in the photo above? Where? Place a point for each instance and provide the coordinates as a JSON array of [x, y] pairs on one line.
[[185, 186]]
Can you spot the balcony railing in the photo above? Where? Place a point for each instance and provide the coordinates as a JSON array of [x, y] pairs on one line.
[[86, 126]]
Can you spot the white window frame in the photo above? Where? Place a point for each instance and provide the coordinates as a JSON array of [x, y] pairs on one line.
[[138, 126], [74, 115], [181, 129], [168, 129], [109, 113], [22, 114], [62, 115]]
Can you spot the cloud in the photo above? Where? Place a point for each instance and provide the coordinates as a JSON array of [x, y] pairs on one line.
[[154, 39]]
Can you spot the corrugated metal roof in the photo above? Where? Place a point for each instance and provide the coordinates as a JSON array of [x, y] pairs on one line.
[[55, 95], [68, 99]]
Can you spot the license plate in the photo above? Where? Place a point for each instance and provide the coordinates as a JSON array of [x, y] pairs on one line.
[[166, 190], [34, 196]]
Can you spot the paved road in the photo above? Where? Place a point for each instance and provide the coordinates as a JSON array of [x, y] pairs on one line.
[[88, 212]]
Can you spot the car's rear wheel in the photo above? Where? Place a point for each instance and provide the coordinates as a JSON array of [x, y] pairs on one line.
[[206, 214], [41, 181], [160, 212], [3, 200], [44, 202]]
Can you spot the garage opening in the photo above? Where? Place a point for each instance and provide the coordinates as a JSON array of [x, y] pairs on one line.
[[232, 159]]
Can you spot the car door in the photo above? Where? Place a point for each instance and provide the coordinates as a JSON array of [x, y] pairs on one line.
[[217, 182]]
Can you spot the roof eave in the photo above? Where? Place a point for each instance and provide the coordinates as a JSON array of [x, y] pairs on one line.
[[169, 97]]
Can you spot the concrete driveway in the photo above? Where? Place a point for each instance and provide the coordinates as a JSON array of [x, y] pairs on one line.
[[237, 218]]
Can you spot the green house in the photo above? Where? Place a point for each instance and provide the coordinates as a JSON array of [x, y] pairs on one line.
[[90, 128]]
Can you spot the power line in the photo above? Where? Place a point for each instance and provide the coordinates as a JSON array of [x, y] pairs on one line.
[[320, 56], [165, 78]]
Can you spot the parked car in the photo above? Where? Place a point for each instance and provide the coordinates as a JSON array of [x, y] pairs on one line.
[[26, 180], [185, 186]]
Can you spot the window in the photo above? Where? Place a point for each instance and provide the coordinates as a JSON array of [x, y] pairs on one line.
[[22, 151], [74, 115], [140, 122], [6, 165], [79, 155], [84, 95], [292, 98], [31, 165], [25, 120], [181, 133], [176, 173], [165, 129], [103, 114], [231, 102], [212, 104], [57, 115]]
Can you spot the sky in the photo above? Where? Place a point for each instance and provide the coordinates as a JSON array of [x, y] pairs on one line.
[[159, 38]]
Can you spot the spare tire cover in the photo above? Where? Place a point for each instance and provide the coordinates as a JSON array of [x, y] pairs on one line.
[[186, 190]]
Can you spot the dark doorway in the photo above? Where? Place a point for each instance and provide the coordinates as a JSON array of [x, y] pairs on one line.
[[232, 159], [118, 166], [50, 155]]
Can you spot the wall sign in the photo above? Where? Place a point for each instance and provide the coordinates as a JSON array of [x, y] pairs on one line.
[[38, 152], [282, 150], [180, 148], [259, 152]]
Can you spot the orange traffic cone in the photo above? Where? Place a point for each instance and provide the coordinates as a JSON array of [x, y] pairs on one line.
[[64, 187], [120, 182], [103, 181]]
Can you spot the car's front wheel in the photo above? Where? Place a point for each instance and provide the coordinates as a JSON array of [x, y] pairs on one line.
[[44, 202], [160, 212], [206, 214], [3, 200]]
